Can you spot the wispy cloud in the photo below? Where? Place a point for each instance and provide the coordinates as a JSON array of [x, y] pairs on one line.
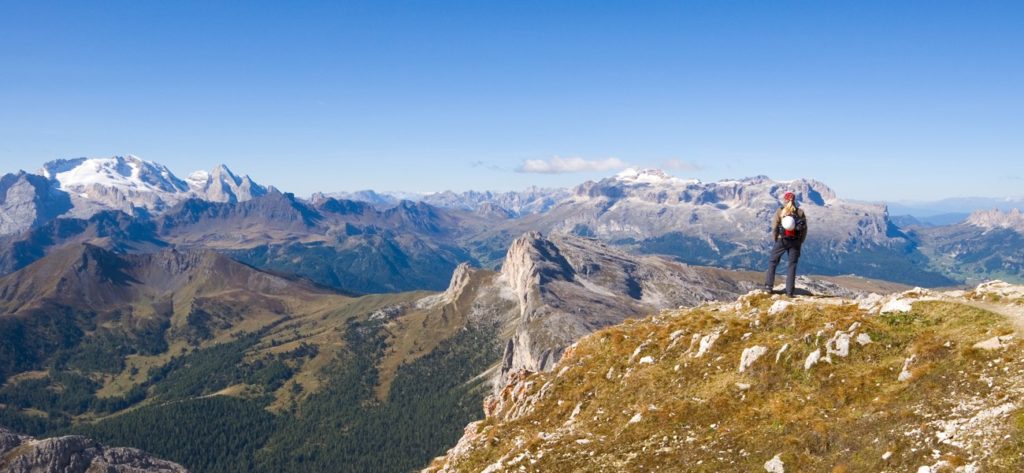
[[485, 165], [680, 165], [559, 165]]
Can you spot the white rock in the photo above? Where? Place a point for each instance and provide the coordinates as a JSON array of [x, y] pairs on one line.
[[905, 373], [705, 343], [742, 386], [924, 469], [779, 307], [750, 355], [781, 351], [869, 302], [897, 306], [812, 359], [839, 344], [886, 455], [646, 360], [994, 343], [636, 418], [1001, 288], [775, 465], [637, 351], [576, 411], [863, 339], [493, 467]]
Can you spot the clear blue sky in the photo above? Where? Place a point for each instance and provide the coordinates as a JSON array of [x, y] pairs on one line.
[[880, 100]]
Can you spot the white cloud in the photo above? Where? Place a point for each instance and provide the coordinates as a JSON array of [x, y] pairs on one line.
[[680, 165], [559, 165]]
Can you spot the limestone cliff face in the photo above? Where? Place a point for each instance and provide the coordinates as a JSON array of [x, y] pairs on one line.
[[74, 454], [27, 201], [567, 287]]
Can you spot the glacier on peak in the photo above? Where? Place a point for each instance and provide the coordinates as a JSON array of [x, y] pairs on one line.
[[127, 172], [651, 176], [128, 183]]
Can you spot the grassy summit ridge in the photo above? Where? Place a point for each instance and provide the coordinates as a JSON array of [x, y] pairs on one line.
[[920, 379]]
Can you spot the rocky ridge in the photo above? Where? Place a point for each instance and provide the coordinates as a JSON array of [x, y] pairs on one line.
[[83, 187], [75, 454], [553, 290], [995, 218], [921, 381]]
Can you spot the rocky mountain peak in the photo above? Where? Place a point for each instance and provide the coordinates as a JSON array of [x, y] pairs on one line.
[[533, 261], [222, 185], [222, 172], [995, 218]]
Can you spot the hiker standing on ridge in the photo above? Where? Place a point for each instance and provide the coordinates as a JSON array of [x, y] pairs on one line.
[[789, 229]]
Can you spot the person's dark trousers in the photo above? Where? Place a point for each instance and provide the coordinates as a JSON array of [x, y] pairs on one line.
[[783, 245]]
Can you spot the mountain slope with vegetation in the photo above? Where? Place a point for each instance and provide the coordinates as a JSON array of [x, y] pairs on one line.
[[220, 367], [918, 381]]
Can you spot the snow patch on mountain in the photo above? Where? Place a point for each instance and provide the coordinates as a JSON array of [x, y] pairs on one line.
[[651, 176], [129, 183], [126, 172]]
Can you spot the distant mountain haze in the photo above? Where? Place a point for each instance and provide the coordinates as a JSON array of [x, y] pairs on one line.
[[383, 242]]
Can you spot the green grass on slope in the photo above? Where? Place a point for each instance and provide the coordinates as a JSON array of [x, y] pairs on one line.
[[699, 414]]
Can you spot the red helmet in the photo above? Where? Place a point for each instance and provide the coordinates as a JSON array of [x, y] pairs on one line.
[[788, 196]]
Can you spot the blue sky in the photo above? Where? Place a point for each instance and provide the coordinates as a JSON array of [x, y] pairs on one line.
[[880, 100]]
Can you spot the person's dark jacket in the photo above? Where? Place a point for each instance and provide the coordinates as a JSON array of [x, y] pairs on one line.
[[777, 230]]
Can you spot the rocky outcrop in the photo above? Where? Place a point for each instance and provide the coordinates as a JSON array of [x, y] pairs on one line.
[[27, 201], [75, 454]]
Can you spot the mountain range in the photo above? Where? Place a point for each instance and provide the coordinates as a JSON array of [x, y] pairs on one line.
[[381, 243], [221, 324], [952, 210], [82, 187]]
